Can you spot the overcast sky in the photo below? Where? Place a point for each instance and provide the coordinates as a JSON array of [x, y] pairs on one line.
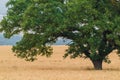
[[2, 8]]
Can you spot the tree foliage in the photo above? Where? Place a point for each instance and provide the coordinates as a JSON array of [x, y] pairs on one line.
[[93, 26]]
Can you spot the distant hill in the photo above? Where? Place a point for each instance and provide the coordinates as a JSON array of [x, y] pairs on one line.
[[16, 38], [11, 41]]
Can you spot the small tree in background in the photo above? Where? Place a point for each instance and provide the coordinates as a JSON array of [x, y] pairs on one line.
[[93, 26]]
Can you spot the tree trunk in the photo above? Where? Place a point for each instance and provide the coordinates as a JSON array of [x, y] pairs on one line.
[[97, 64]]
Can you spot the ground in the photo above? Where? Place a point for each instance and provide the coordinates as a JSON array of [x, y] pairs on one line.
[[55, 67]]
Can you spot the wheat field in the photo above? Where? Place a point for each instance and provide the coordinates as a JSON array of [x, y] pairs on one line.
[[55, 67]]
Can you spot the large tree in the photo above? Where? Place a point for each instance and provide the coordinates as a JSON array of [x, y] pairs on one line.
[[93, 26]]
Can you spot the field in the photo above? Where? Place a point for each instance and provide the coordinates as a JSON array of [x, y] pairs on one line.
[[55, 67]]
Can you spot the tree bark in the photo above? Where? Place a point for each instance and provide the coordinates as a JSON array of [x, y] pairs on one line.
[[97, 64]]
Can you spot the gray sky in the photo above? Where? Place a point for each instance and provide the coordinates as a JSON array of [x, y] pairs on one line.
[[2, 8]]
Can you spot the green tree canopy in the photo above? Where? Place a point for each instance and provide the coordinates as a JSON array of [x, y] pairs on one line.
[[93, 26]]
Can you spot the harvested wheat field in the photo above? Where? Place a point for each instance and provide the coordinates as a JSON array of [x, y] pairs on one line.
[[55, 67]]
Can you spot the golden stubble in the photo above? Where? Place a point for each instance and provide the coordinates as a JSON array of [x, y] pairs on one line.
[[55, 67]]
